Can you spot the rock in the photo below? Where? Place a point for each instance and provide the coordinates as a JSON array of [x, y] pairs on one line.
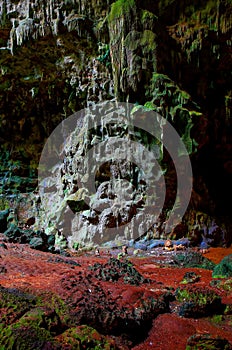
[[3, 219], [224, 268], [36, 322], [51, 242], [3, 245], [27, 336], [193, 259], [207, 342], [131, 243], [137, 252], [179, 231], [115, 269], [92, 303], [60, 241], [36, 239], [16, 235], [140, 246], [78, 201], [224, 284], [134, 41], [190, 277], [154, 243], [197, 302], [182, 241], [86, 337], [30, 221], [37, 243]]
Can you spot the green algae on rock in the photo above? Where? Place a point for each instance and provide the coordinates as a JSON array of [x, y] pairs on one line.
[[85, 337], [198, 302], [193, 259], [207, 342], [224, 268]]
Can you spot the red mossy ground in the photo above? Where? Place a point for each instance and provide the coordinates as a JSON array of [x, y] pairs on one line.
[[28, 269]]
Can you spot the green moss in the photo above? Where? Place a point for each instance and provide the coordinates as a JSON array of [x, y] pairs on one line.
[[193, 259], [174, 104], [144, 41], [197, 296], [15, 304], [217, 319], [207, 342], [150, 106], [224, 268], [19, 336], [120, 8], [148, 39], [227, 285], [148, 16], [4, 203], [56, 303], [85, 337]]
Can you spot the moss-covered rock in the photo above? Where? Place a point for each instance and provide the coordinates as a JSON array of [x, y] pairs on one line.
[[133, 48], [121, 8], [85, 337], [224, 284], [207, 342], [177, 106], [14, 304], [23, 337], [198, 302], [193, 259], [190, 277], [115, 269], [224, 268]]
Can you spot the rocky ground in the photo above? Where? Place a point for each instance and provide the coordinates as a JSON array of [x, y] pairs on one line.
[[88, 301]]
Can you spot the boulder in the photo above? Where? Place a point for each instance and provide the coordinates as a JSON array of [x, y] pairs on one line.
[[224, 268], [193, 259], [37, 243], [198, 302]]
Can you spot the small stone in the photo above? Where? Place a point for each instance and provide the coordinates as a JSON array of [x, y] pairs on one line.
[[190, 277], [37, 243]]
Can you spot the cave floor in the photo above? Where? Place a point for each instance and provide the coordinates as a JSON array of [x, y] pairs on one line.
[[37, 272]]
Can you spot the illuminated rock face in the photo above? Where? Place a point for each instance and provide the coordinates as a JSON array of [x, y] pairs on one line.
[[102, 184], [60, 56]]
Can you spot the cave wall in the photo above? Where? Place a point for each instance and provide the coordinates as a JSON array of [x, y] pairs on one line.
[[57, 57]]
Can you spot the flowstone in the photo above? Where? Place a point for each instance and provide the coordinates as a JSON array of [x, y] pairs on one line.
[[98, 183], [100, 177]]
